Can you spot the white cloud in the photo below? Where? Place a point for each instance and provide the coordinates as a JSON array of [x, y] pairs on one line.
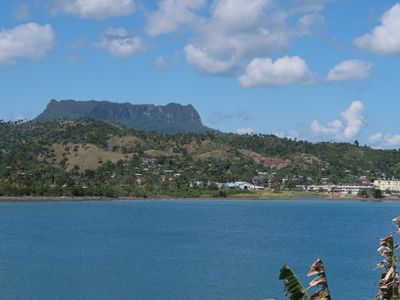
[[378, 140], [375, 138], [350, 125], [172, 14], [96, 9], [292, 134], [240, 30], [236, 30], [238, 14], [119, 43], [207, 63], [31, 41], [393, 140], [284, 71], [385, 38], [306, 23], [354, 119], [352, 69], [333, 128], [243, 131]]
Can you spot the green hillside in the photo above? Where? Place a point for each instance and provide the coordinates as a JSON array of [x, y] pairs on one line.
[[96, 158]]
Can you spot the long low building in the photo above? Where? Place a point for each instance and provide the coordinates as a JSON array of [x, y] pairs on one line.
[[342, 189], [320, 188], [387, 185], [352, 189], [240, 185]]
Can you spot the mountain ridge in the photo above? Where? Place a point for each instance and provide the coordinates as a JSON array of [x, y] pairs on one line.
[[170, 118]]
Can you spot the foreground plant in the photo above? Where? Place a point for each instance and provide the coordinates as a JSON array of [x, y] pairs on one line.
[[294, 288], [389, 284]]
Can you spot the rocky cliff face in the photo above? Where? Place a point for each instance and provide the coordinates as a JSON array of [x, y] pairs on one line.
[[171, 118]]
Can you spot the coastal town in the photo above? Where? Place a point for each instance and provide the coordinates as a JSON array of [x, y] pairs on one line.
[[386, 187], [264, 181]]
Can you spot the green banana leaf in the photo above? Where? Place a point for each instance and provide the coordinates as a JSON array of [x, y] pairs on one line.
[[293, 287]]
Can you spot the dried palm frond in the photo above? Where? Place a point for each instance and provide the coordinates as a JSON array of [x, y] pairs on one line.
[[389, 283], [319, 282]]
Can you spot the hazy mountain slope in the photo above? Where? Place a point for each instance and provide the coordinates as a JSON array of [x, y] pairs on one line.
[[171, 118]]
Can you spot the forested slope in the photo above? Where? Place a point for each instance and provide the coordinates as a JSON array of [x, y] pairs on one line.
[[98, 158]]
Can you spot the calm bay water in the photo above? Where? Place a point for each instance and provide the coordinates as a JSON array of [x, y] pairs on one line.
[[174, 250]]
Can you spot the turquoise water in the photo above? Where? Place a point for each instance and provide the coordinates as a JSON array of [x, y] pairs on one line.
[[174, 250]]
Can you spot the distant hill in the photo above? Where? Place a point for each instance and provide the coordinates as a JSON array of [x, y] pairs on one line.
[[98, 158], [171, 118]]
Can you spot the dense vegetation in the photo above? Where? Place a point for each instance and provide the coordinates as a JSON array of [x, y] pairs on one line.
[[96, 158]]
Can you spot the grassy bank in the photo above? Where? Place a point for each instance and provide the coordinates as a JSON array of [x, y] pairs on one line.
[[205, 195]]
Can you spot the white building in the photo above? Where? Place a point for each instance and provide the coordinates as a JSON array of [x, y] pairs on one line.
[[391, 185], [342, 189], [320, 188], [352, 189], [240, 185]]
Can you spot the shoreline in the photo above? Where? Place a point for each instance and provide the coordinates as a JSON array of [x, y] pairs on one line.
[[285, 196]]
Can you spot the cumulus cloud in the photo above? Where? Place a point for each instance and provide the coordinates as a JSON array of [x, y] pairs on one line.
[[348, 70], [234, 31], [238, 14], [306, 23], [96, 9], [385, 38], [333, 128], [212, 65], [349, 126], [30, 41], [239, 30], [380, 140], [353, 118], [120, 43], [171, 14], [243, 131], [284, 71], [375, 138]]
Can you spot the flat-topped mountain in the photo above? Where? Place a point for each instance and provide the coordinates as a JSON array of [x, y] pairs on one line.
[[171, 118]]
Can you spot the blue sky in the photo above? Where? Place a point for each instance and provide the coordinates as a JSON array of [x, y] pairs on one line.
[[311, 69]]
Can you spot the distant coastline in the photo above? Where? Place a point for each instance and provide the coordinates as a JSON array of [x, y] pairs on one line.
[[262, 196]]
